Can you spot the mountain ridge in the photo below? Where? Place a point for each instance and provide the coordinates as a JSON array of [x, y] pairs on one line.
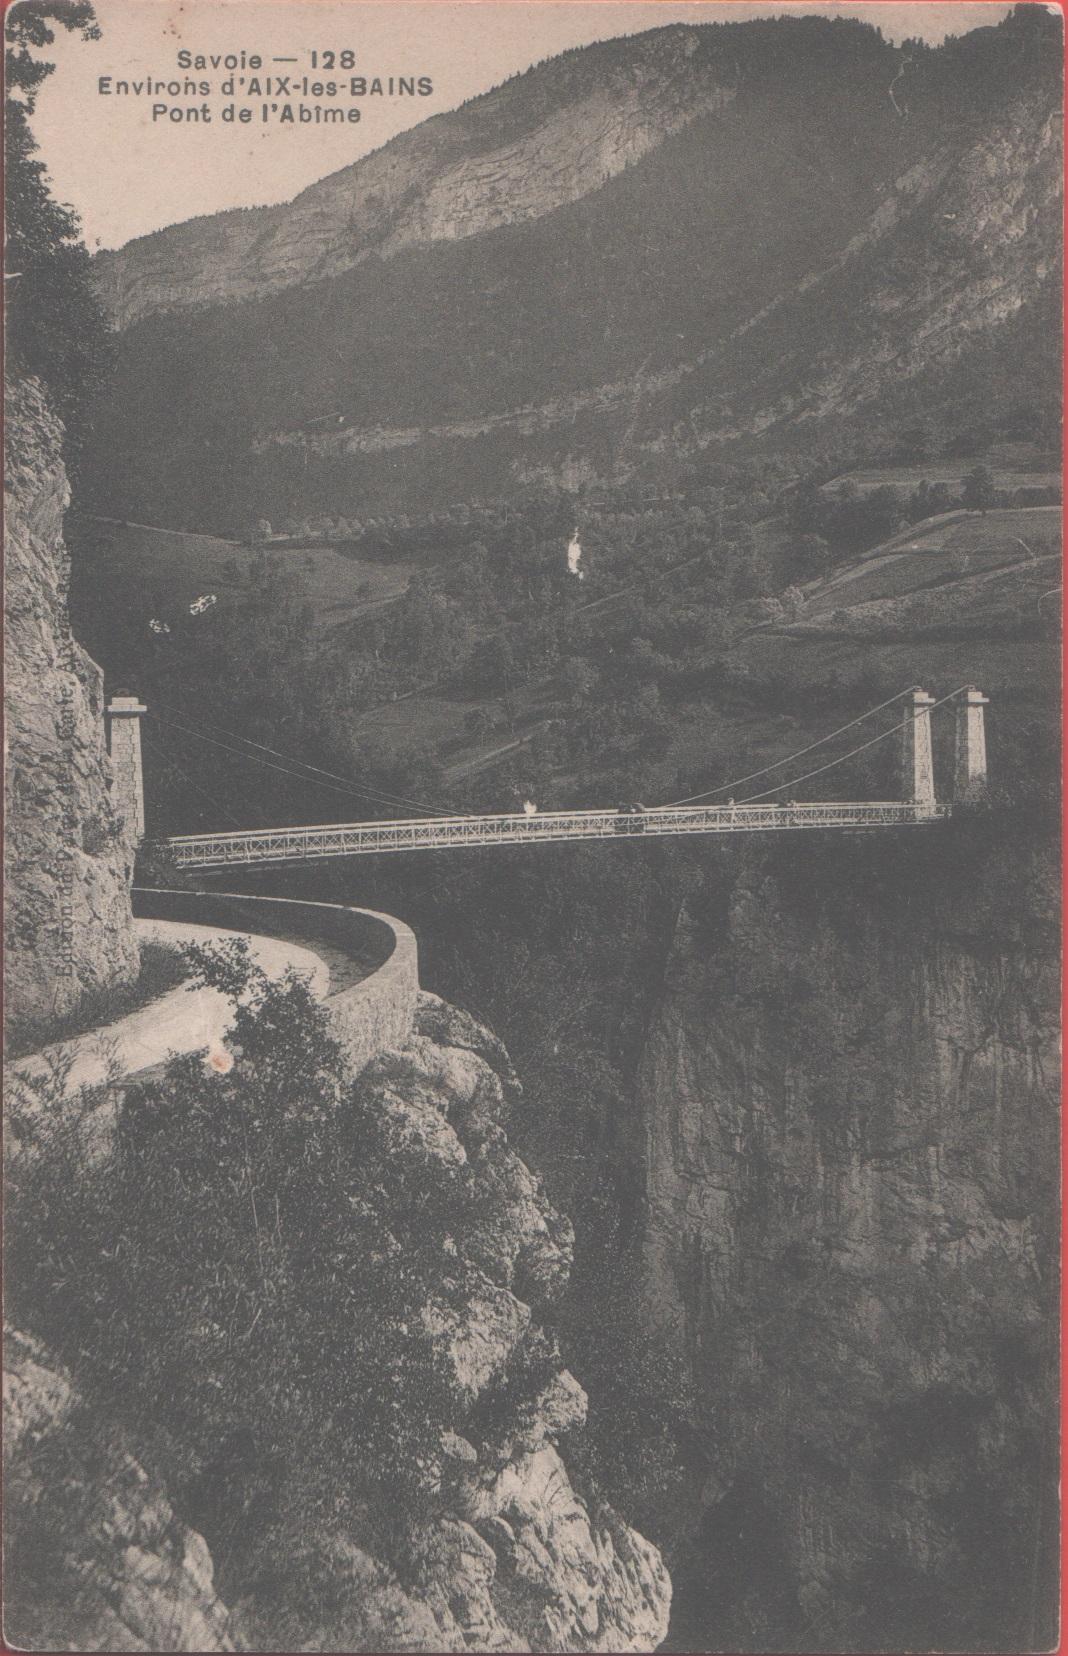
[[451, 132], [733, 232]]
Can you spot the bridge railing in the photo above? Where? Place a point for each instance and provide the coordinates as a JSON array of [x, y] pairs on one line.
[[338, 839]]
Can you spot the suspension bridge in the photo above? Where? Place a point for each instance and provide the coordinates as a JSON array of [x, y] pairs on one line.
[[440, 829]]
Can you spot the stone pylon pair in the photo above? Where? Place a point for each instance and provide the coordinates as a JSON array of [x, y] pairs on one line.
[[969, 770]]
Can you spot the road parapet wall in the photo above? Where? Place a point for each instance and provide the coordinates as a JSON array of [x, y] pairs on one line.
[[371, 1003]]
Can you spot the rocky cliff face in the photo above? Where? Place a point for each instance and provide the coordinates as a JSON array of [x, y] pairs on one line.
[[850, 1143], [68, 859], [516, 154], [79, 1508], [502, 1552], [510, 1556], [955, 246]]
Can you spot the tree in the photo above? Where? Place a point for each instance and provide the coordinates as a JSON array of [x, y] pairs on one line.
[[927, 500], [748, 574], [913, 443], [977, 491], [578, 678], [811, 555], [859, 521], [254, 1260], [431, 629], [650, 718], [468, 577], [967, 442], [55, 326], [641, 662], [493, 663], [479, 723], [807, 509]]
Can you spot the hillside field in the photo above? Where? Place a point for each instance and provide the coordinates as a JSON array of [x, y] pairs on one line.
[[163, 571], [952, 473], [964, 597]]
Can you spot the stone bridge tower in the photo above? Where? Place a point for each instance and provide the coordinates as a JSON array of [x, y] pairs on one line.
[[124, 744], [969, 771], [917, 760]]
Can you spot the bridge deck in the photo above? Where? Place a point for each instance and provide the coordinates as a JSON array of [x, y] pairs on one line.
[[348, 839]]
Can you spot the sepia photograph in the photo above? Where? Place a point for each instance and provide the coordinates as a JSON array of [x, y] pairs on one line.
[[532, 651]]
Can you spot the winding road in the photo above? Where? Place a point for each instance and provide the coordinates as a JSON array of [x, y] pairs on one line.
[[181, 1021]]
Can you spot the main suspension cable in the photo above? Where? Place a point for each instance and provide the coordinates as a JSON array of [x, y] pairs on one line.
[[793, 782], [709, 793], [169, 759], [254, 758], [378, 794]]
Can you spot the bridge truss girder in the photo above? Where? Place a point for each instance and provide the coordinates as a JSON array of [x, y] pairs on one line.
[[271, 845]]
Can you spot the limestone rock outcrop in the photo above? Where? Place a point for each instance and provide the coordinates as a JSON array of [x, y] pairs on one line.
[[518, 153], [513, 1558], [850, 1124], [81, 1512], [68, 858], [536, 1570], [498, 1551]]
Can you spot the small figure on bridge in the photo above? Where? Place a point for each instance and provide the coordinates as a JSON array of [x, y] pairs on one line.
[[628, 819]]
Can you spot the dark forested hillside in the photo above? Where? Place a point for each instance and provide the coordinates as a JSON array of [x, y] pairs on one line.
[[633, 259]]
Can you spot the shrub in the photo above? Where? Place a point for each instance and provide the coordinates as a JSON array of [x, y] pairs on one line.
[[249, 1271], [99, 831]]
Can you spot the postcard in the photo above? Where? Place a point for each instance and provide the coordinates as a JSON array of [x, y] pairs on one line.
[[532, 825]]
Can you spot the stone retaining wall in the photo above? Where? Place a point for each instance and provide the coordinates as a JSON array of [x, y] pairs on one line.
[[369, 1016]]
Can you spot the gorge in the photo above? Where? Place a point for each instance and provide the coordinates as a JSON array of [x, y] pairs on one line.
[[807, 1122]]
